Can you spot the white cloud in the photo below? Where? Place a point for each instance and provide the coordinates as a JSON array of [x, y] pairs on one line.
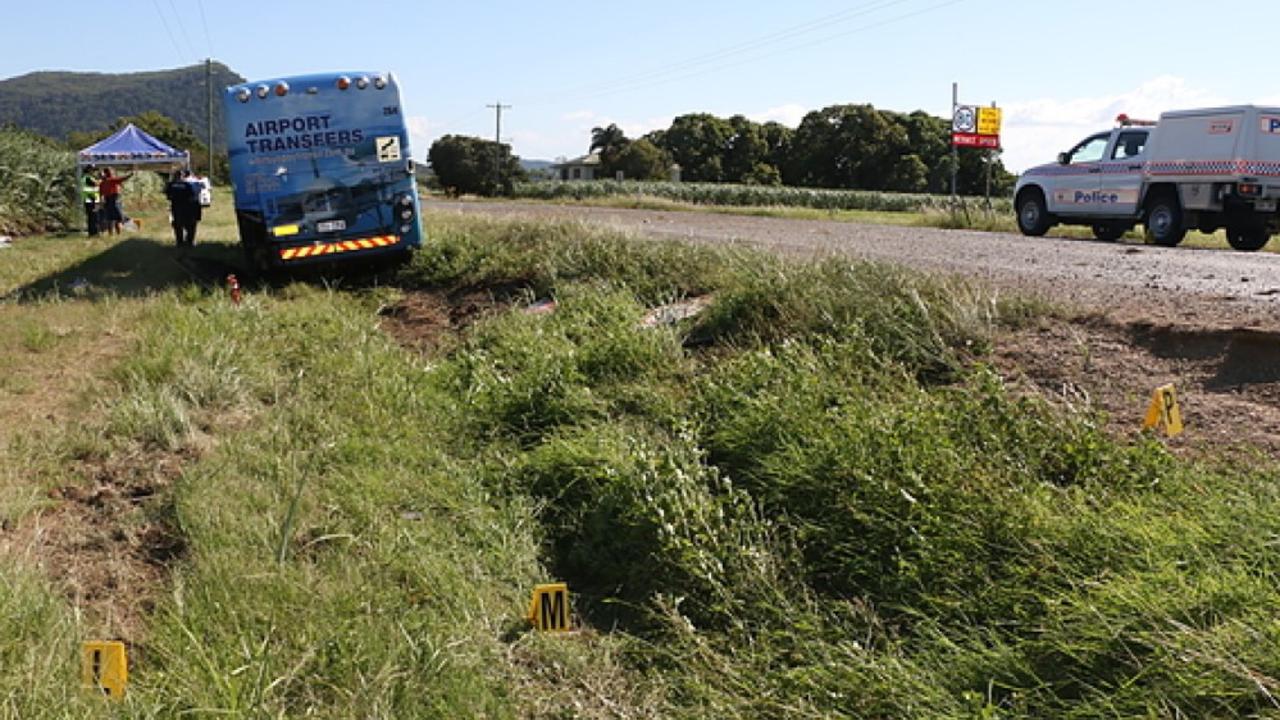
[[790, 115], [1035, 131], [422, 132]]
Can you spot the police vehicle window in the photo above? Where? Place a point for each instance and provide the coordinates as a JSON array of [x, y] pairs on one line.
[[1090, 150], [1129, 144]]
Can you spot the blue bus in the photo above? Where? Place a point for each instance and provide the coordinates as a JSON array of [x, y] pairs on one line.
[[321, 169]]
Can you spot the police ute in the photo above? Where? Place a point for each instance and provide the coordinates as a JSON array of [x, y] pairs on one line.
[[1208, 169]]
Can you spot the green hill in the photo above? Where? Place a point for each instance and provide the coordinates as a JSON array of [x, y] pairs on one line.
[[55, 104]]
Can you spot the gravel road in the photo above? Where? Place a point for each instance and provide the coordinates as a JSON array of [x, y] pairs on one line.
[[1127, 281]]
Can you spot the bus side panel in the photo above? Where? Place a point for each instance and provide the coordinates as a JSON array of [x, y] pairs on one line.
[[319, 166]]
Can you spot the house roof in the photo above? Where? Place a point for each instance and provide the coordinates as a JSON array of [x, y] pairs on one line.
[[590, 160]]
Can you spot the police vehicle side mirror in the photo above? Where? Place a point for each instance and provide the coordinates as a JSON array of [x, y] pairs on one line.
[[1064, 158]]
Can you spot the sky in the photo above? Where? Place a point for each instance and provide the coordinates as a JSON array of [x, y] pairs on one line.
[[1060, 70]]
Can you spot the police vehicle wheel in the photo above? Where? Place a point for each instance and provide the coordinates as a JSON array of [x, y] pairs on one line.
[[1033, 216], [1247, 237], [1164, 221], [1109, 232]]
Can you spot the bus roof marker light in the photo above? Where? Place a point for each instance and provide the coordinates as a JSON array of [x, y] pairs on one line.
[[362, 82], [380, 82], [343, 83], [243, 94], [282, 89], [263, 91]]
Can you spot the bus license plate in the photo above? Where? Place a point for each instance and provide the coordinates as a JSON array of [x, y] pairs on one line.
[[331, 226]]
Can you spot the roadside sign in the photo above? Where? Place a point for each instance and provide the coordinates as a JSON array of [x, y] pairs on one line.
[[549, 608], [1164, 410], [990, 142], [989, 121], [976, 127], [104, 668]]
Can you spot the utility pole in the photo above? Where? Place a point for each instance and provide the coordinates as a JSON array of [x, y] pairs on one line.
[[208, 89], [497, 139], [955, 151]]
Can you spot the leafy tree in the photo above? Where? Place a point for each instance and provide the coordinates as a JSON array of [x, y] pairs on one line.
[[778, 138], [698, 142], [641, 160], [746, 149], [474, 165], [845, 146], [930, 140], [608, 140], [763, 174]]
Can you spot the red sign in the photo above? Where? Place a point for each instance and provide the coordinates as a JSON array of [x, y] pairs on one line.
[[960, 139]]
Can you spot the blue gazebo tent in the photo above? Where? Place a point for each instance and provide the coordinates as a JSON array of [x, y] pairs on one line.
[[132, 149]]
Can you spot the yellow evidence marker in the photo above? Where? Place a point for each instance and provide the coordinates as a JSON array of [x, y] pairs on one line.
[[104, 668], [549, 608], [1164, 410]]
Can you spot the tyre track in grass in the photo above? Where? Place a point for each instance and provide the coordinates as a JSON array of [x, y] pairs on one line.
[[1136, 316]]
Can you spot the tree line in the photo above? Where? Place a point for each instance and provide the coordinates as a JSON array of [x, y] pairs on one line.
[[56, 104], [851, 146]]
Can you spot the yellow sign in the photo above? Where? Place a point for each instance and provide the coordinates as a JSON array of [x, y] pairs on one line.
[[549, 608], [1164, 410], [989, 121], [104, 668]]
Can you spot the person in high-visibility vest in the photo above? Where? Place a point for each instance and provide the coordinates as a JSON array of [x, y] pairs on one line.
[[89, 194]]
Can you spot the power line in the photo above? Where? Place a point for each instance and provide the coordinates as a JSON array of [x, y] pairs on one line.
[[763, 55], [204, 22], [824, 22], [182, 28], [167, 31], [458, 120]]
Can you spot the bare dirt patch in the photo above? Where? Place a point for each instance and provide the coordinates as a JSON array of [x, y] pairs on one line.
[[427, 320], [1227, 378], [108, 542]]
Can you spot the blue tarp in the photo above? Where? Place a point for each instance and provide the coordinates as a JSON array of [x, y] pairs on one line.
[[132, 147]]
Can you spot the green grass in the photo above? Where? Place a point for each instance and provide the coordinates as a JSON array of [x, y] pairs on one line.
[[813, 500]]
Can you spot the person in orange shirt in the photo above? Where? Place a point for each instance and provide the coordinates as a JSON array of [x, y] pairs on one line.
[[109, 189]]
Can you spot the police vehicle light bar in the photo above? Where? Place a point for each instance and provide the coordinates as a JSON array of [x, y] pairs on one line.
[[1123, 120]]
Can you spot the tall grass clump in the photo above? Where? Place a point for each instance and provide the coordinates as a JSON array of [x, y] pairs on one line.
[[497, 257], [37, 184], [731, 195]]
